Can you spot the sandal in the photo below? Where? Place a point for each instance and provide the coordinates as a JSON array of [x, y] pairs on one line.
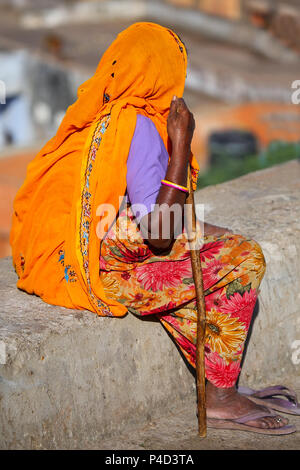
[[269, 397], [240, 424]]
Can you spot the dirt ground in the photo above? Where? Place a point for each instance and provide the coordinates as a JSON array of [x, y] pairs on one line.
[[179, 432]]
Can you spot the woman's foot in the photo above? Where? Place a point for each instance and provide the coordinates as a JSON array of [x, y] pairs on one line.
[[227, 403]]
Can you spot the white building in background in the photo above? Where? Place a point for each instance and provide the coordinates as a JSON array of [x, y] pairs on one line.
[[34, 95], [15, 111]]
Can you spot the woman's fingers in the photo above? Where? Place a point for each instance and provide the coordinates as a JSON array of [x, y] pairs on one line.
[[173, 106], [178, 104], [180, 123]]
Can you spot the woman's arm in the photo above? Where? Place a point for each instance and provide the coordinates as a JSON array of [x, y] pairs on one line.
[[153, 226], [180, 127]]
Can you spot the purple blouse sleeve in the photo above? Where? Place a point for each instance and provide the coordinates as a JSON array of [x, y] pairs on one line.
[[146, 166]]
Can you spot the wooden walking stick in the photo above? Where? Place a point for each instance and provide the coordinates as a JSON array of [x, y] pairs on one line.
[[200, 303]]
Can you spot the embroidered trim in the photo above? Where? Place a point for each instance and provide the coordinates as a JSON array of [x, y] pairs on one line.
[[86, 216], [69, 274], [195, 175], [22, 262], [106, 97], [61, 258]]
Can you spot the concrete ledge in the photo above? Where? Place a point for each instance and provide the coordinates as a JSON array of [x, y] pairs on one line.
[[69, 378]]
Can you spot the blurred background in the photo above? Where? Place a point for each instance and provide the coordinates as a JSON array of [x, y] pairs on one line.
[[241, 83]]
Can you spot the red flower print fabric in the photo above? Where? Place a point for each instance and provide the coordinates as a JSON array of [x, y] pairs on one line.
[[233, 267]]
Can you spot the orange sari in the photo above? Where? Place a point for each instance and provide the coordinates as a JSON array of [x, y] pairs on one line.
[[55, 231]]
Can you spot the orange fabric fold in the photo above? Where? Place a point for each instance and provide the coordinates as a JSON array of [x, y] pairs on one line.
[[138, 74]]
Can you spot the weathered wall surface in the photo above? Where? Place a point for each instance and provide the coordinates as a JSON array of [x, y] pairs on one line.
[[68, 378]]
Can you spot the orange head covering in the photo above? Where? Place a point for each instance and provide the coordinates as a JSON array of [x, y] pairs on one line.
[[54, 233]]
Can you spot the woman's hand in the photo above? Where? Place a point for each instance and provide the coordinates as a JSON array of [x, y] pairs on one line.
[[180, 126]]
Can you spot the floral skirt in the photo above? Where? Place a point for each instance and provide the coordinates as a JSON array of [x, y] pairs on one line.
[[233, 267]]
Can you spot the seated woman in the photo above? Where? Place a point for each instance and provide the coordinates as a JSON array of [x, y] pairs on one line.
[[78, 243]]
